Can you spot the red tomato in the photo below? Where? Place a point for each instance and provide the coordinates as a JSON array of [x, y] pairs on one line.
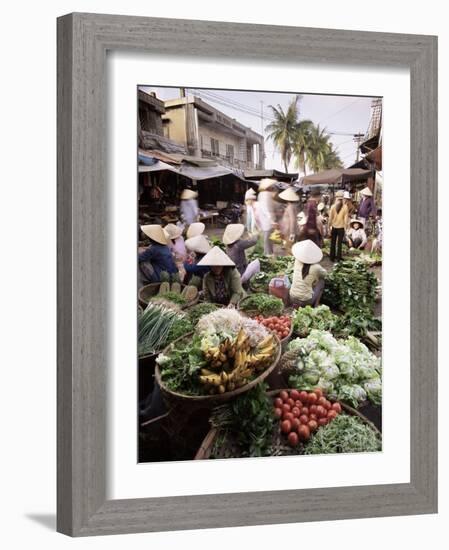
[[286, 408], [313, 425], [303, 419], [312, 408], [296, 412], [322, 421], [312, 399], [295, 424], [313, 416], [294, 394], [288, 416], [304, 432], [318, 392], [320, 411], [298, 404], [336, 407], [283, 395], [293, 439], [278, 402], [303, 396], [331, 414], [321, 401], [278, 413], [291, 402], [305, 410], [286, 426]]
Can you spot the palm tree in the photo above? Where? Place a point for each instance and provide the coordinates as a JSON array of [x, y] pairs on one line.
[[282, 130], [332, 159], [301, 144]]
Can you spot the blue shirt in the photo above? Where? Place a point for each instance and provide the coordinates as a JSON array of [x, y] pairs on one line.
[[161, 259]]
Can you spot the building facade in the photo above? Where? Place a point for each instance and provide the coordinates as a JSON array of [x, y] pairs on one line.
[[209, 133]]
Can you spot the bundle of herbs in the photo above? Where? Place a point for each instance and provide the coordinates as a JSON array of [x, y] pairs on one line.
[[196, 312], [155, 325], [264, 304]]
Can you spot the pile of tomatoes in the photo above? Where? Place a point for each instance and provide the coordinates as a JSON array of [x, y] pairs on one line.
[[280, 325], [301, 413]]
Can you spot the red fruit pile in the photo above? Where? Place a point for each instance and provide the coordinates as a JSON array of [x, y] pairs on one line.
[[280, 325], [301, 413]]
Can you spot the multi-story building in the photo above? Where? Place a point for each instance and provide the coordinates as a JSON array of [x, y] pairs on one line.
[[207, 132]]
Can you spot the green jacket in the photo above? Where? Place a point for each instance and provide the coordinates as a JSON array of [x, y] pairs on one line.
[[233, 285]]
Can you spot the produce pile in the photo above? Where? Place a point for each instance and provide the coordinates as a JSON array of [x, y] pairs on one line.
[[159, 325], [227, 352], [173, 293], [301, 413], [263, 304], [308, 318], [269, 269], [280, 325], [346, 434], [345, 369], [197, 311]]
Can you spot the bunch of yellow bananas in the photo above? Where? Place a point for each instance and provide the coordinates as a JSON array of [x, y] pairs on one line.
[[236, 361]]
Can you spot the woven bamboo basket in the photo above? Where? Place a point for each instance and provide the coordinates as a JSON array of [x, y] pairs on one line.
[[281, 448], [151, 290], [212, 400]]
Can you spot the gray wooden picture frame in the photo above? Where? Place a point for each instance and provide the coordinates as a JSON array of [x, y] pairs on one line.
[[83, 41]]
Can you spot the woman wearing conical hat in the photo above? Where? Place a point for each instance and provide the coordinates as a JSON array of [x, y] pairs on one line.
[[198, 246], [367, 206], [194, 229], [222, 285], [250, 213], [308, 275], [290, 223], [265, 212], [157, 257], [236, 246], [189, 206], [356, 235]]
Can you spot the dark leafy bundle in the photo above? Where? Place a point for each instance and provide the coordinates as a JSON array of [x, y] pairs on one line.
[[350, 287], [263, 303], [180, 327], [356, 323], [216, 241], [197, 311], [345, 434], [180, 366], [248, 422]]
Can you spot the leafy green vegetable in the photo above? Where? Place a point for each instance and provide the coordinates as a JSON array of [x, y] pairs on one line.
[[197, 311], [171, 297], [263, 303], [345, 434], [180, 327], [308, 318], [155, 324], [249, 421], [342, 368]]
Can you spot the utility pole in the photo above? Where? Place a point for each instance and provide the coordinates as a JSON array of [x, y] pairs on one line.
[[358, 139]]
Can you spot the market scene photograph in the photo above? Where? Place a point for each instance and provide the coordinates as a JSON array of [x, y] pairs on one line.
[[259, 304]]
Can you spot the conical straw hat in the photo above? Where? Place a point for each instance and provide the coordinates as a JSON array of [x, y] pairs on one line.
[[339, 194], [355, 220], [307, 252], [199, 244], [216, 256], [196, 228], [172, 231], [233, 232], [250, 194], [155, 232], [367, 192], [346, 195], [266, 183], [289, 195], [188, 194]]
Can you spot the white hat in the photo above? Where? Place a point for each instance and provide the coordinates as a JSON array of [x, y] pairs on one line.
[[266, 183], [155, 232], [216, 256], [172, 231], [367, 192], [346, 195], [321, 206], [199, 244], [233, 232], [289, 195], [307, 252], [194, 229], [188, 194], [339, 194], [250, 194], [355, 220]]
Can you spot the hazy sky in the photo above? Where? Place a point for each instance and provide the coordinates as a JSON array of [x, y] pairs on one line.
[[340, 115]]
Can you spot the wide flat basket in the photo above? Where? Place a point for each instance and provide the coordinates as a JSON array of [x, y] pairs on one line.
[[212, 400], [151, 290]]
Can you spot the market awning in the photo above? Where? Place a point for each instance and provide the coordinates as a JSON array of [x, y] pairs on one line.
[[335, 176], [270, 173], [189, 171]]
